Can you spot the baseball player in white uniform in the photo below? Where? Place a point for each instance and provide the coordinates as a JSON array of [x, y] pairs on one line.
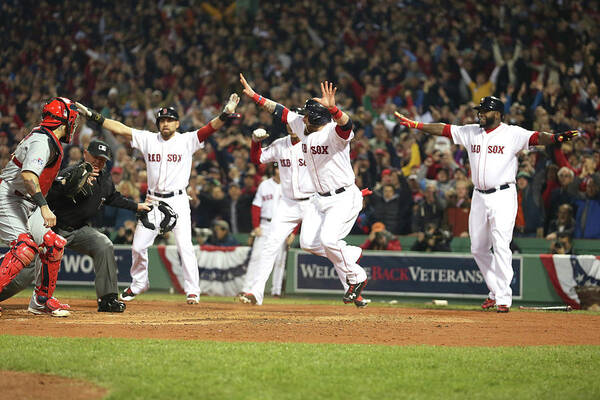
[[325, 147], [493, 148], [168, 156], [266, 201]]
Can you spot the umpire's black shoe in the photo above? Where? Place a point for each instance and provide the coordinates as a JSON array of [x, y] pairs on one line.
[[353, 292], [110, 303]]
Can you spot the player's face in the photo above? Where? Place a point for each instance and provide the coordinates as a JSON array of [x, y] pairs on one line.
[[97, 162], [488, 119], [167, 126]]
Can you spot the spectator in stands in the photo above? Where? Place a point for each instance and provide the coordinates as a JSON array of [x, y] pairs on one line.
[[240, 205], [530, 212], [393, 209], [429, 211], [381, 239], [587, 217], [566, 193], [221, 235], [563, 223]]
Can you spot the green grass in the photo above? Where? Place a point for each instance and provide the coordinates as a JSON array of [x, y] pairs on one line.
[[175, 369]]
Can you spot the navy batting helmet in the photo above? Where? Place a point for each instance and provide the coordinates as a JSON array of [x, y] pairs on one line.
[[490, 103], [317, 113], [166, 112]]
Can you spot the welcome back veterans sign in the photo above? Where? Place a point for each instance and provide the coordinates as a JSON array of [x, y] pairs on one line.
[[392, 273]]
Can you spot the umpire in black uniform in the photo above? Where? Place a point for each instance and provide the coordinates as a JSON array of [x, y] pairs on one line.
[[73, 216]]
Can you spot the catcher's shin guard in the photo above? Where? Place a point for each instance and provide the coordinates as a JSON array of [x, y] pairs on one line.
[[22, 252], [54, 246]]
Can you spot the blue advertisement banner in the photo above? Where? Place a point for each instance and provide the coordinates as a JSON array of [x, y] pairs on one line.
[[404, 274], [78, 269]]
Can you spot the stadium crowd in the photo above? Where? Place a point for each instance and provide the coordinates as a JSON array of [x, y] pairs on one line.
[[539, 57]]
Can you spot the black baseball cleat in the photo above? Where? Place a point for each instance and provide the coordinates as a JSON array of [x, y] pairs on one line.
[[353, 292], [110, 303], [502, 309], [361, 302], [127, 295]]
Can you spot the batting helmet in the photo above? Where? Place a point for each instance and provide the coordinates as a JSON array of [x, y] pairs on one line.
[[317, 113], [167, 112], [168, 221], [60, 111], [490, 103]]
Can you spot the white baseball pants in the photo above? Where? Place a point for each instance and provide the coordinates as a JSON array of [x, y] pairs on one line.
[[491, 224], [144, 238]]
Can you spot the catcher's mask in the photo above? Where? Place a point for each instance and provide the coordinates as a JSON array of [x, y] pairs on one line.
[[61, 111], [168, 221], [317, 114], [166, 112]]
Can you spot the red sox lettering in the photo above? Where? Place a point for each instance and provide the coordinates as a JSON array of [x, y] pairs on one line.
[[476, 148], [155, 157], [316, 149], [286, 162]]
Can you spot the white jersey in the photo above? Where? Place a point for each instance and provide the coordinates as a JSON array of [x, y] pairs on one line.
[[327, 155], [168, 162], [492, 155], [292, 168], [267, 198]]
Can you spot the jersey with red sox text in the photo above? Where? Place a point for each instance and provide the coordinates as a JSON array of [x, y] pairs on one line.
[[168, 162], [493, 154], [267, 197], [292, 167], [327, 155]]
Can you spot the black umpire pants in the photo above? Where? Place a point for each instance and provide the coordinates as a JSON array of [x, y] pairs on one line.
[[85, 240]]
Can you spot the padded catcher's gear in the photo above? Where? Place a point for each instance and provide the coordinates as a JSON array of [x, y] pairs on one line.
[[168, 221], [76, 180]]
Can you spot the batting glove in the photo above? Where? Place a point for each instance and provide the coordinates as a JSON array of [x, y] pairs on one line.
[[565, 136], [90, 114], [259, 135], [409, 123]]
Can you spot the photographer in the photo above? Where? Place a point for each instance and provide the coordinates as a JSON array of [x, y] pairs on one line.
[[563, 244], [433, 239], [381, 239]]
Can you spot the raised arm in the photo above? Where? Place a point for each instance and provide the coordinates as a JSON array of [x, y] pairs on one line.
[[268, 104], [217, 122], [115, 127], [342, 119]]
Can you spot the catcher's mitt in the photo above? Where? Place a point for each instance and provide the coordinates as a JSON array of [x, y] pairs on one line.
[[75, 180], [168, 221]]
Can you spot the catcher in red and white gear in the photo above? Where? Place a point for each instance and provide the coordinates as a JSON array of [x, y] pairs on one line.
[[25, 218]]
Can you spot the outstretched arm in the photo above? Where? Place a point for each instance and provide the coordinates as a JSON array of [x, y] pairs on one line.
[[437, 129], [115, 127]]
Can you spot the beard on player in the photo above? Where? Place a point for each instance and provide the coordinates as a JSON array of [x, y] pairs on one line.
[[489, 120]]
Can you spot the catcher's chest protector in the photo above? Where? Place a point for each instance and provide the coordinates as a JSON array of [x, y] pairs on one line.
[[50, 171]]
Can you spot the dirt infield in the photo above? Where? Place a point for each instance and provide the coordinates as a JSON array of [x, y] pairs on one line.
[[222, 321]]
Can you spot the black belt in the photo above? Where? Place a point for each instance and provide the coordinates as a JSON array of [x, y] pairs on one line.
[[266, 219], [337, 191], [165, 195], [492, 190], [302, 199]]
